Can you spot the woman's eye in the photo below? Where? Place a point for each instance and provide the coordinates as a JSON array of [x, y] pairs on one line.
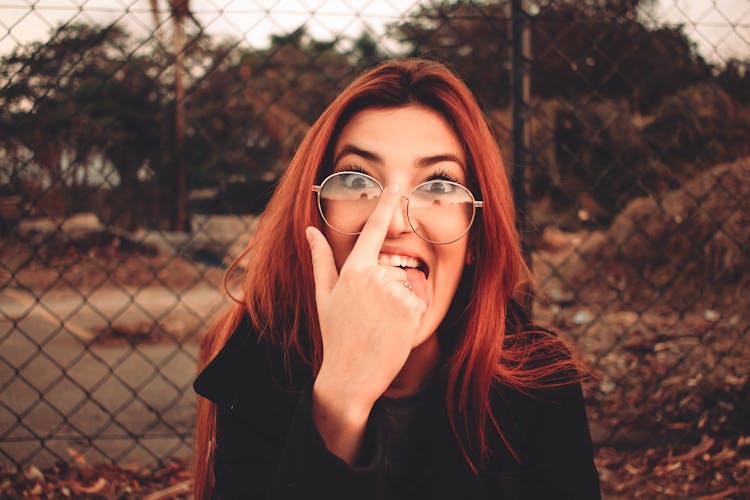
[[439, 187], [357, 181]]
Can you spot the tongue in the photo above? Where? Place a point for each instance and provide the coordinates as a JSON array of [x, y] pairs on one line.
[[418, 283]]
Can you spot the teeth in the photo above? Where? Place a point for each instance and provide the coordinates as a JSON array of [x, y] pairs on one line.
[[397, 261]]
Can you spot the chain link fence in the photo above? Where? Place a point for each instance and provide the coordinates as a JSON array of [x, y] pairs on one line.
[[139, 142]]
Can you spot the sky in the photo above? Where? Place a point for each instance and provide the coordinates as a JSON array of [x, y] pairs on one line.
[[720, 28]]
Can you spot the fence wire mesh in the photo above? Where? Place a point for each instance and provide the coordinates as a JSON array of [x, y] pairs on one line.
[[139, 142]]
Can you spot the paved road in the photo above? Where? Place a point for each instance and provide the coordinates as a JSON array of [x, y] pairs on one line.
[[61, 393]]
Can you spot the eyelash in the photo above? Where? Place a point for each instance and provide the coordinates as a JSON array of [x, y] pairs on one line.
[[352, 168], [443, 175], [440, 174]]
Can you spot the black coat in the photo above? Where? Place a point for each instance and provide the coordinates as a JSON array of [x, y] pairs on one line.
[[267, 445]]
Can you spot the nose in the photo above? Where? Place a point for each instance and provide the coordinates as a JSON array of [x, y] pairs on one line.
[[400, 221]]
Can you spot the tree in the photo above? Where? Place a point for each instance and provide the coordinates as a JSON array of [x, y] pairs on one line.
[[79, 100], [734, 78], [598, 66], [252, 108], [607, 51], [471, 37], [600, 48]]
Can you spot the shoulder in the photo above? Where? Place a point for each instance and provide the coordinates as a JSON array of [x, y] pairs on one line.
[[553, 445], [247, 364], [539, 385], [212, 381], [544, 440]]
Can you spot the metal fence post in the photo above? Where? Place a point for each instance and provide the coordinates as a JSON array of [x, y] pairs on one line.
[[520, 42]]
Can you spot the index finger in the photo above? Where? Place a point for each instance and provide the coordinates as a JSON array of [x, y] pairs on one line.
[[373, 233]]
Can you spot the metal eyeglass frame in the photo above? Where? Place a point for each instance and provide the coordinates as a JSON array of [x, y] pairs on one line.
[[316, 188]]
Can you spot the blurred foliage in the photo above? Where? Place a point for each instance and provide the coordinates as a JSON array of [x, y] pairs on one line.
[[93, 107], [471, 37], [579, 48], [76, 101], [620, 107]]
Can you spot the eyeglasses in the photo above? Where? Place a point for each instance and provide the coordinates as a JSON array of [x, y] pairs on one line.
[[439, 211]]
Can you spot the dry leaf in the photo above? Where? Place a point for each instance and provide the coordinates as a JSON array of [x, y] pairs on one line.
[[77, 457], [98, 486], [725, 454], [632, 470], [697, 450], [673, 467], [32, 473], [179, 488]]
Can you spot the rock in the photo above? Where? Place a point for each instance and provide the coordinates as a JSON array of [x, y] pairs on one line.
[[594, 244], [560, 296], [648, 229], [582, 317], [77, 224], [554, 240], [56, 236], [213, 239], [672, 246], [711, 315], [33, 474], [82, 223], [607, 386]]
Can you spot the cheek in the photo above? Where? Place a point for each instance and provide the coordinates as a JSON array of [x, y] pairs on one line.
[[452, 263], [455, 260]]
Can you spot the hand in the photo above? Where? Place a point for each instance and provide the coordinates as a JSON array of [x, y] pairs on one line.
[[368, 318]]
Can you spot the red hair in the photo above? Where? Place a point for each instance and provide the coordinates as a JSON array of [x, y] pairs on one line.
[[279, 288]]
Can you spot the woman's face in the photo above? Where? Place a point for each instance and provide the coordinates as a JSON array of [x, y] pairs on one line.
[[407, 146]]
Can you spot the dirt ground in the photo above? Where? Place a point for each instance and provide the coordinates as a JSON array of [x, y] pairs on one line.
[[107, 265], [662, 430], [171, 480]]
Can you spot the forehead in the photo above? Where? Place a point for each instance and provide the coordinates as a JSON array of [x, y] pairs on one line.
[[414, 130]]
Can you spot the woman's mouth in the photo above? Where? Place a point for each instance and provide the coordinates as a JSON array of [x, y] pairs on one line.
[[416, 270]]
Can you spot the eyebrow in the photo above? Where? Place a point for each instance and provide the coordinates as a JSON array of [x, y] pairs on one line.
[[431, 160], [349, 149], [426, 161]]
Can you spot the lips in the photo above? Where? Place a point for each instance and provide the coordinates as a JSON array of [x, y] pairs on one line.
[[416, 270]]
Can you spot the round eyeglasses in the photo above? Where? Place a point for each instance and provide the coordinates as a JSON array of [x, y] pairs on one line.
[[439, 211]]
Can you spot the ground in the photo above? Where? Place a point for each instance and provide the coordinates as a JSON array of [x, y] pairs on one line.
[[713, 469], [697, 448], [664, 334], [104, 481]]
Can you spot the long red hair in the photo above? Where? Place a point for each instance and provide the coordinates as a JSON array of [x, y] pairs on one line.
[[279, 289]]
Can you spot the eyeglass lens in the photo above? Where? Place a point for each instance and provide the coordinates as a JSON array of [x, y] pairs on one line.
[[439, 211]]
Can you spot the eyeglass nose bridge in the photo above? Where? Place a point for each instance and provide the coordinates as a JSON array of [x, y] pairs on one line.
[[404, 211]]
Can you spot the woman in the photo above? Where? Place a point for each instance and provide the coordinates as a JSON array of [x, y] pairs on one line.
[[377, 352]]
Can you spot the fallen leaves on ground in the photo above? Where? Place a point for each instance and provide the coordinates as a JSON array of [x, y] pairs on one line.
[[172, 480], [714, 468]]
